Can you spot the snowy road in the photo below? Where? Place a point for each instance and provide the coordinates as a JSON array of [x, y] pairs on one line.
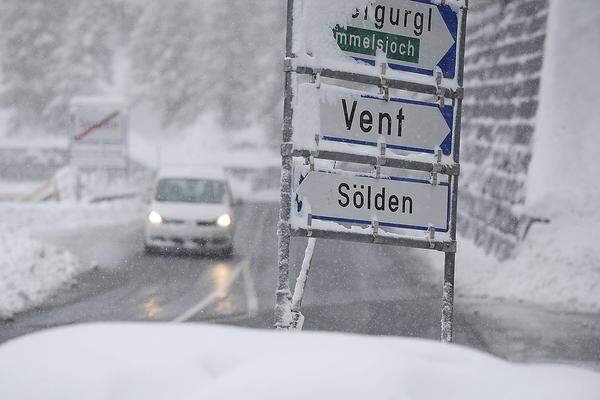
[[353, 288]]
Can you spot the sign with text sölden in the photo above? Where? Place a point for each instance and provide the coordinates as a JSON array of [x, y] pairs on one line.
[[355, 199]]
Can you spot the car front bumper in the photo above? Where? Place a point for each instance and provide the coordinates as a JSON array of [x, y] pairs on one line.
[[188, 237]]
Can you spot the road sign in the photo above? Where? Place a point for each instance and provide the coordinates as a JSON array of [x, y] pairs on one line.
[[413, 35], [99, 133], [98, 121], [329, 126], [105, 130], [354, 199], [352, 117]]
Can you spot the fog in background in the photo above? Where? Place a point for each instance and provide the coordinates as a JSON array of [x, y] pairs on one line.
[[178, 59]]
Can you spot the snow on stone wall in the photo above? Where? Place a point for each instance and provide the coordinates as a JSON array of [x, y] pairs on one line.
[[503, 62]]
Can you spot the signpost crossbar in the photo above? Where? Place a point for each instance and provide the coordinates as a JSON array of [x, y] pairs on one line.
[[378, 80], [440, 168], [447, 246]]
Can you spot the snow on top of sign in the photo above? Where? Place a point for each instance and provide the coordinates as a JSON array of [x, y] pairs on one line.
[[456, 5], [315, 46], [315, 20]]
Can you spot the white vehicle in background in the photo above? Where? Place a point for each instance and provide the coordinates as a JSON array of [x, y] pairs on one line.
[[191, 209]]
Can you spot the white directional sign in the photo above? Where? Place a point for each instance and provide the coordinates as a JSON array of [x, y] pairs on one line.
[[414, 35], [353, 199], [349, 116]]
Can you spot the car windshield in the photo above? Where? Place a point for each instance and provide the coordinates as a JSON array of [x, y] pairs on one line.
[[191, 191]]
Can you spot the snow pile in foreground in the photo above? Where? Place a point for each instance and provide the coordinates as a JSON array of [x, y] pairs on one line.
[[145, 361], [29, 270]]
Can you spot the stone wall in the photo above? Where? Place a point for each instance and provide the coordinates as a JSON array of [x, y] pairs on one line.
[[503, 62]]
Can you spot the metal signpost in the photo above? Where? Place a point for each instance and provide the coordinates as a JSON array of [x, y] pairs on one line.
[[410, 143]]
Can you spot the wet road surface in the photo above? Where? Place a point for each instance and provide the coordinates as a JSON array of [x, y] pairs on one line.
[[353, 288]]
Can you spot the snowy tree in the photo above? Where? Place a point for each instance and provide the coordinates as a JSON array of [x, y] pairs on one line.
[[52, 51], [168, 60], [186, 58], [32, 42], [253, 37], [213, 56]]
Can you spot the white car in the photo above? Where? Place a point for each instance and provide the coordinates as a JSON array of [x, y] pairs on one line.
[[191, 209]]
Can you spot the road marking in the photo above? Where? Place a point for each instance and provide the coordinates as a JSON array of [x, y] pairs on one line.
[[215, 295], [251, 298]]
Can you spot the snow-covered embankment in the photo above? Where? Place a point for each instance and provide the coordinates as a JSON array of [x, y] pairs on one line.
[[558, 264], [30, 271]]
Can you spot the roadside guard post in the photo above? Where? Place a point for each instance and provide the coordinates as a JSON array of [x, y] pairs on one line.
[[371, 140]]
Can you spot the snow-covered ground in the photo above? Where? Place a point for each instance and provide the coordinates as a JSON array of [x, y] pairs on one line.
[[15, 190], [550, 269], [141, 361], [558, 264], [30, 271]]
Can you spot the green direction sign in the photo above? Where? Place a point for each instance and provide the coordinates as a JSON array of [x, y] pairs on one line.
[[412, 35], [367, 42]]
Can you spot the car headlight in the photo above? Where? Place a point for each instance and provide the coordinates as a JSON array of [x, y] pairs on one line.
[[224, 221], [155, 218]]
